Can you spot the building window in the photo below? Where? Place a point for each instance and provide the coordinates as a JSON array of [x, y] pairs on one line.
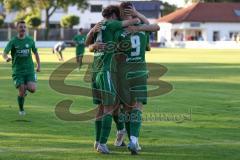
[[237, 12], [96, 8], [216, 36], [233, 36]]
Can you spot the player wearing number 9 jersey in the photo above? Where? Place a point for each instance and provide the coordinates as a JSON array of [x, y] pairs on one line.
[[132, 64], [132, 73]]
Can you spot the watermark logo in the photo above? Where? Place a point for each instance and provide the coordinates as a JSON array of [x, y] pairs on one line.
[[57, 83]]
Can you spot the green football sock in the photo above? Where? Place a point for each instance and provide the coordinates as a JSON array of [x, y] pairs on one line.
[[127, 126], [20, 103], [98, 127], [119, 122], [106, 128], [135, 122]]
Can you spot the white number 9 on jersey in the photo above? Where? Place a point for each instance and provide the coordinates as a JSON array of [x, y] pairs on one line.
[[135, 41]]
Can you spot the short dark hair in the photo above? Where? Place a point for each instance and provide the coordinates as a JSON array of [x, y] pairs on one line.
[[20, 22], [125, 5], [110, 10], [80, 29]]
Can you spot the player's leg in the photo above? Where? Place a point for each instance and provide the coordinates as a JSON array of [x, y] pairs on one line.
[[21, 99], [30, 82], [118, 117], [97, 101], [18, 80], [127, 120], [139, 94], [79, 61], [108, 100], [31, 86], [59, 53], [98, 125], [61, 56], [135, 125]]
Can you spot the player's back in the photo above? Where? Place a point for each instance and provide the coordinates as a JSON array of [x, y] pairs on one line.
[[106, 35]]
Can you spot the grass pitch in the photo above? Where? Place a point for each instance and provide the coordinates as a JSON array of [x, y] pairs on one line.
[[206, 82]]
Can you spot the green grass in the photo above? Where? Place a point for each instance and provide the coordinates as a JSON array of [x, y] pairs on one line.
[[206, 81]]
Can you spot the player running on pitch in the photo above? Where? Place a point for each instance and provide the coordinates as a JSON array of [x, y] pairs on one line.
[[24, 76], [80, 46]]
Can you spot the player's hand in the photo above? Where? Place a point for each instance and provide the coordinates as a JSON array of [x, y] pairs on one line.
[[136, 20], [99, 46], [97, 27], [131, 12], [8, 59], [38, 69], [132, 29]]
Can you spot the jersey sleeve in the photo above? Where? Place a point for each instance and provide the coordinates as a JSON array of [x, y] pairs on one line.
[[74, 38], [8, 48], [34, 49], [115, 25]]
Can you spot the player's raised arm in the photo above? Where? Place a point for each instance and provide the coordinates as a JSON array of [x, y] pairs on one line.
[[90, 35], [137, 14], [149, 28], [97, 46], [130, 22]]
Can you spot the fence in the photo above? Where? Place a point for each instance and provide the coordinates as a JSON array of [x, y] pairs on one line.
[[203, 44], [54, 34]]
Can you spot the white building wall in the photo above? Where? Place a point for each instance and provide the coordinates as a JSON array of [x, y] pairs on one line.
[[86, 17], [165, 32], [206, 28], [223, 28]]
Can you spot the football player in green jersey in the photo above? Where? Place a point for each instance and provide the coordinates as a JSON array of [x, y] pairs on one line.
[[102, 74], [23, 75], [132, 72], [80, 46]]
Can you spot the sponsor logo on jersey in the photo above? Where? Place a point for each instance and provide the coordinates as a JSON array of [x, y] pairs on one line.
[[27, 45], [22, 52], [96, 54]]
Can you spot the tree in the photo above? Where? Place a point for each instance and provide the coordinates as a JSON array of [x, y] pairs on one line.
[[48, 6], [69, 21], [33, 21], [168, 8]]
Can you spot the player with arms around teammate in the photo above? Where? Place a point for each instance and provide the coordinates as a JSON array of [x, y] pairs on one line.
[[102, 75], [24, 76], [132, 72], [80, 46]]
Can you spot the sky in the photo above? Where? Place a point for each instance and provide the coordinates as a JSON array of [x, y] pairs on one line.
[[179, 3]]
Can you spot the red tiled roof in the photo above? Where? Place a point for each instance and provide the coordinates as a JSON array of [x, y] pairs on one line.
[[204, 12]]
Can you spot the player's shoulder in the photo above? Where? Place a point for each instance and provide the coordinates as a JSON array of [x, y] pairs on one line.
[[14, 38], [112, 21], [29, 38]]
